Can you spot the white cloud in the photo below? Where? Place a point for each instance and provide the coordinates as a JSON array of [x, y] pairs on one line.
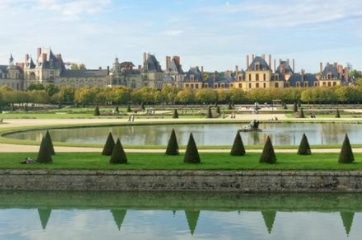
[[74, 7], [173, 33]]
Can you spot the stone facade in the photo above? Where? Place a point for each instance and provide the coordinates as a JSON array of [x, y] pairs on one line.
[[208, 181]]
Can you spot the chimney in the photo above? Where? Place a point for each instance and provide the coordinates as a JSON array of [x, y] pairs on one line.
[[270, 61], [202, 69], [263, 56], [336, 65], [44, 57], [168, 60], [252, 57], [321, 67], [275, 64], [26, 57], [236, 69], [144, 56], [99, 68], [107, 70], [247, 61], [177, 59], [38, 52]]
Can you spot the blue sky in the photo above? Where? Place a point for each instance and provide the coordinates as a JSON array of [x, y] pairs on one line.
[[215, 34]]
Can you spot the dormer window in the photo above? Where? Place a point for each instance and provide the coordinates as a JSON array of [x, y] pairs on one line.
[[257, 66]]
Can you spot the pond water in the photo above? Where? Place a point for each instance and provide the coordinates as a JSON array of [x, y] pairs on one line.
[[146, 215], [206, 134]]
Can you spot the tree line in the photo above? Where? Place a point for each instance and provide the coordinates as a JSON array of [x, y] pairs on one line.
[[86, 96]]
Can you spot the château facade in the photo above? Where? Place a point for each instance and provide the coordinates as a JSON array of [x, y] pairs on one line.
[[49, 68]]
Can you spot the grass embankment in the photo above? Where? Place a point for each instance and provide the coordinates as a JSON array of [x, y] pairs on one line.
[[160, 161]]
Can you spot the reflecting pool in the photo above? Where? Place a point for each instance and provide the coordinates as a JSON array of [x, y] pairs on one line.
[[206, 134], [148, 215]]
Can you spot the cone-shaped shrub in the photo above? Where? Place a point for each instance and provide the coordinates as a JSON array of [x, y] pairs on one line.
[[129, 108], [346, 155], [304, 148], [175, 113], [268, 154], [109, 145], [229, 106], [142, 106], [44, 155], [118, 155], [337, 114], [191, 154], [49, 142], [96, 111], [209, 113], [301, 113], [238, 148], [295, 107], [218, 109], [172, 146]]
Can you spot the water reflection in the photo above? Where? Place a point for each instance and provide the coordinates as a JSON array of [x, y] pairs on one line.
[[146, 215], [206, 134]]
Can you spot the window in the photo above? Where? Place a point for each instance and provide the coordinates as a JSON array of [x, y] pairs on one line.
[[257, 85], [264, 77], [240, 85], [264, 85], [249, 85], [297, 84], [305, 84], [276, 85], [257, 77], [240, 78], [249, 77]]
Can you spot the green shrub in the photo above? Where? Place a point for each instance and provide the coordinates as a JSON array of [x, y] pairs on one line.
[[346, 154], [49, 142], [337, 114], [96, 111], [109, 145], [118, 155], [295, 107], [268, 154], [238, 148], [191, 154], [209, 113], [172, 146], [175, 113], [304, 148], [44, 155]]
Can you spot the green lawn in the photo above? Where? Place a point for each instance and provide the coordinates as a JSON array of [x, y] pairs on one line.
[[160, 161]]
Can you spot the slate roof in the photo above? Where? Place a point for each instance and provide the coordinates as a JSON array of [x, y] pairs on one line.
[[195, 71], [330, 69], [297, 77], [84, 73], [173, 66], [287, 68], [262, 64], [151, 64]]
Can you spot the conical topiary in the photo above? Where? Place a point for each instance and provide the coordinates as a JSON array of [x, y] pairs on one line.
[[337, 114], [346, 154], [44, 155], [304, 148], [209, 113], [238, 148], [295, 107], [109, 145], [172, 146], [96, 111], [191, 154], [129, 108], [230, 106], [48, 140], [175, 113], [301, 113], [268, 154], [118, 155], [218, 111]]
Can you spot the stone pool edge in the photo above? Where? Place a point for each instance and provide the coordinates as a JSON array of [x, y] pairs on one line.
[[182, 180]]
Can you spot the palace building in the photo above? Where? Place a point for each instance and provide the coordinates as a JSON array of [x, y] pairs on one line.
[[49, 68]]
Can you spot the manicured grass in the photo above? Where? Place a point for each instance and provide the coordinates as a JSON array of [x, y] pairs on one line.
[[160, 161]]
